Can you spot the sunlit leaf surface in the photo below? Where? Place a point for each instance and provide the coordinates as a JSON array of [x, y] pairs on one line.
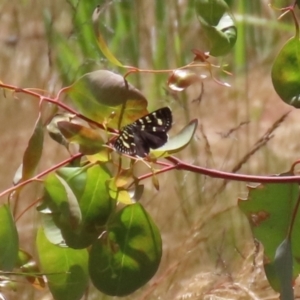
[[285, 73], [65, 268], [99, 94], [88, 184], [9, 240], [128, 255]]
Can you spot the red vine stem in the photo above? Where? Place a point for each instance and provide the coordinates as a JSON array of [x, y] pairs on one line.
[[54, 101], [37, 177], [178, 164], [26, 209]]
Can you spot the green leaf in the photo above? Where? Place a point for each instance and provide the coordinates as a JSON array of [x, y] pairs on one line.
[[76, 177], [32, 154], [284, 268], [210, 12], [285, 73], [51, 230], [65, 269], [222, 38], [218, 25], [64, 199], [89, 184], [89, 140], [269, 209], [99, 94], [93, 201], [9, 242], [178, 142], [34, 150], [129, 254]]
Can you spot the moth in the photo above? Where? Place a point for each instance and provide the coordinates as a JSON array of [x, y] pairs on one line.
[[148, 132]]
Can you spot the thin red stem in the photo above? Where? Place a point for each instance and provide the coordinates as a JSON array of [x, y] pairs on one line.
[[37, 177], [168, 168], [26, 209], [56, 102], [180, 165], [177, 164]]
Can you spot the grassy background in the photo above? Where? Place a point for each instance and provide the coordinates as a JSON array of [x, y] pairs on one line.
[[208, 249]]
